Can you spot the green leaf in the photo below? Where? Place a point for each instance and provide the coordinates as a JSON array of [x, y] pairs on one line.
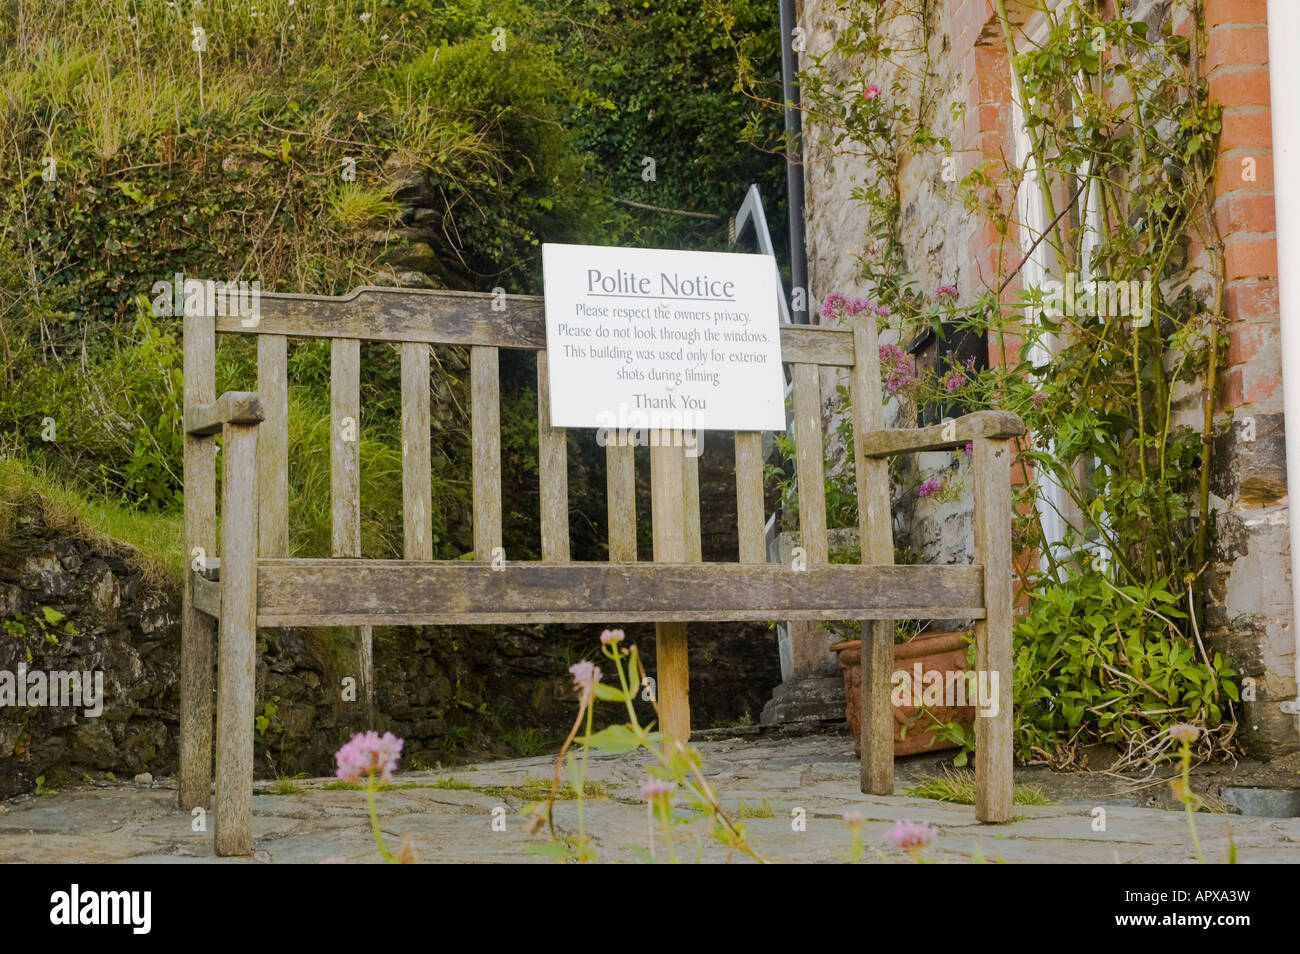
[[616, 739], [610, 693], [52, 616]]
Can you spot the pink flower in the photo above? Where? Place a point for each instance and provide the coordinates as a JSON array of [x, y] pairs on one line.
[[931, 486], [945, 291], [367, 753], [854, 819], [881, 310], [858, 305], [656, 789], [611, 636], [871, 92], [833, 304], [585, 675], [911, 835], [970, 450], [1039, 398], [954, 381]]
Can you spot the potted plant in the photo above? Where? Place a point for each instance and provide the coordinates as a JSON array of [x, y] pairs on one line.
[[917, 727]]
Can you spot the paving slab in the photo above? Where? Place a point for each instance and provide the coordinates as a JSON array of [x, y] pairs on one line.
[[790, 794]]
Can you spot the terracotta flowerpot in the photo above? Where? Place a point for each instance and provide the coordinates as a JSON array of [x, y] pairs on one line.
[[944, 652]]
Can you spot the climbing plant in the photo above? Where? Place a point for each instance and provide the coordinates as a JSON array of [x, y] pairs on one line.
[[1118, 393]]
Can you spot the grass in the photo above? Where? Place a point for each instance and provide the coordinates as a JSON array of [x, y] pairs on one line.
[[526, 741], [286, 785], [156, 538], [763, 809], [959, 789]]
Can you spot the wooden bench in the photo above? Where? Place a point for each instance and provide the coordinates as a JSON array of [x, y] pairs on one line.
[[258, 584]]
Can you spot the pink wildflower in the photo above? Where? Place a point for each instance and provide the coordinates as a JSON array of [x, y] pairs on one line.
[[1039, 398], [910, 835], [970, 450], [954, 381], [854, 819], [931, 486], [945, 291], [611, 636], [1182, 732], [858, 305], [367, 753], [656, 789], [585, 675], [871, 92], [834, 303]]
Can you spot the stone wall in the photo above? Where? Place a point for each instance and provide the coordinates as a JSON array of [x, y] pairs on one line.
[[452, 693]]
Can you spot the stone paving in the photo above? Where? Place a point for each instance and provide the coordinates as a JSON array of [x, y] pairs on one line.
[[447, 816]]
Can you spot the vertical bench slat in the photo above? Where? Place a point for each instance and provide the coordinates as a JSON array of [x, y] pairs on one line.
[[345, 446], [237, 646], [198, 630], [876, 538], [668, 520], [808, 644], [273, 446], [345, 482], [750, 519], [993, 650], [417, 497], [485, 427], [810, 463], [553, 472], [620, 491], [691, 507]]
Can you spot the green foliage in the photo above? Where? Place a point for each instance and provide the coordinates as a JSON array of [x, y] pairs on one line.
[[1097, 662]]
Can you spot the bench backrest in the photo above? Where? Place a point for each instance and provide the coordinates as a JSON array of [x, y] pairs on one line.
[[415, 320]]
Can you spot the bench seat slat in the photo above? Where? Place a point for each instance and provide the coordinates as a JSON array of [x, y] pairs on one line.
[[313, 592]]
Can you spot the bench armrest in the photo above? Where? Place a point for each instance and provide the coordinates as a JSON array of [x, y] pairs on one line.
[[233, 407], [995, 425]]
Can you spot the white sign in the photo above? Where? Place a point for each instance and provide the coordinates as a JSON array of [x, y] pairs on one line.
[[651, 338]]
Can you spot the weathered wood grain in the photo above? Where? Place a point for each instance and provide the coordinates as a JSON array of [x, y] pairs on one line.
[[620, 494], [345, 446], [465, 318], [236, 647], [994, 760], [485, 430], [553, 472], [750, 518], [668, 525], [198, 631], [345, 486], [417, 494], [273, 446], [956, 433], [876, 538], [207, 595], [810, 463], [233, 407], [304, 592]]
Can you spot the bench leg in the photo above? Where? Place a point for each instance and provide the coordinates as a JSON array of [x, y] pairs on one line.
[[876, 713], [237, 642], [994, 760]]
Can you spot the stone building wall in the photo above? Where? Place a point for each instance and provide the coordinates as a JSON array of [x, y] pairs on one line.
[[1249, 587]]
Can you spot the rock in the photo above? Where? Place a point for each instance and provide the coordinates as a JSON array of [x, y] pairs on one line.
[[144, 780]]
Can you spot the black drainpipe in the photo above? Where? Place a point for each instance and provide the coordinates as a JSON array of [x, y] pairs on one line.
[[794, 163]]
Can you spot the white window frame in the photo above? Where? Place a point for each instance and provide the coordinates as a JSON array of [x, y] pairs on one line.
[[1051, 501]]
